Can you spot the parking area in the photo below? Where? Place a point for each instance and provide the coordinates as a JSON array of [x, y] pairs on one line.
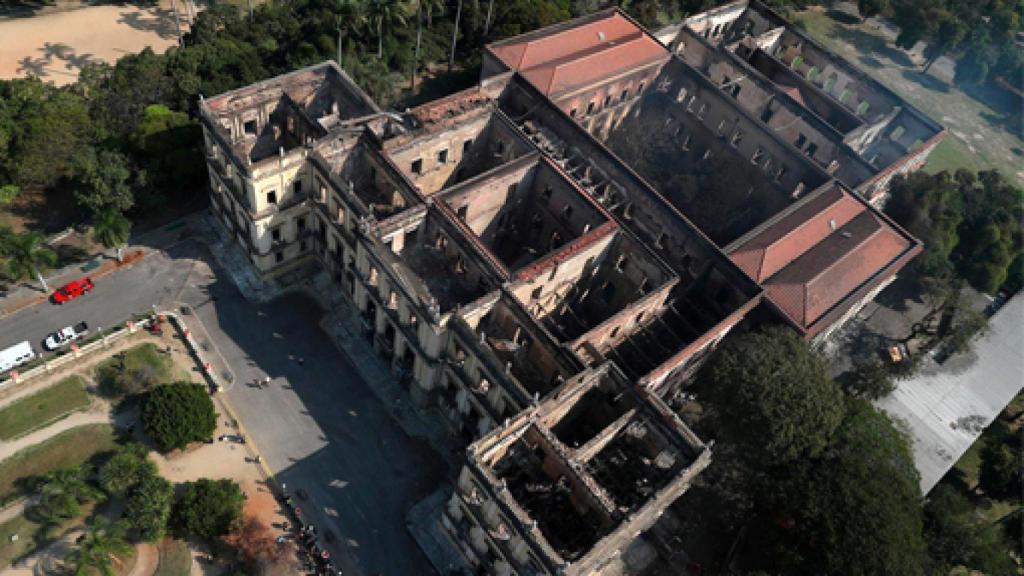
[[354, 471]]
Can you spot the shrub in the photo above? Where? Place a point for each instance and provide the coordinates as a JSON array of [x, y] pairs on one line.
[[209, 508], [149, 507], [176, 414]]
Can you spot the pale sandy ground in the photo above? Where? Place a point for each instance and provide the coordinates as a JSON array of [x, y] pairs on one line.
[[55, 46]]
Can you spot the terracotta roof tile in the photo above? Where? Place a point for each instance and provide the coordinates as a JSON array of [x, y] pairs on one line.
[[811, 221], [574, 57], [835, 267]]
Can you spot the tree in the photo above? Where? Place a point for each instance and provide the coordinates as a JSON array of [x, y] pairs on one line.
[[917, 20], [111, 229], [991, 231], [771, 393], [125, 470], [930, 207], [99, 547], [870, 380], [175, 414], [948, 36], [45, 130], [858, 510], [1002, 465], [105, 182], [455, 35], [8, 192], [62, 493], [955, 538], [27, 257], [869, 8], [383, 14], [149, 507], [349, 16], [208, 508]]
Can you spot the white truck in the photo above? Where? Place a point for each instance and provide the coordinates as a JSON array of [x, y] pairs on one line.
[[65, 336], [16, 356]]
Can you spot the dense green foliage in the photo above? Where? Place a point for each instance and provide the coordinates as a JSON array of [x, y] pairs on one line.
[[956, 537], [773, 395], [1002, 463], [970, 224], [176, 414], [95, 550], [62, 493], [825, 484], [125, 470], [149, 507], [208, 508]]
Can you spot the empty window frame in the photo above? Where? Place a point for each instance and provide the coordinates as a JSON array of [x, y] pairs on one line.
[[442, 156], [250, 127], [272, 197], [590, 108], [417, 166], [466, 146]]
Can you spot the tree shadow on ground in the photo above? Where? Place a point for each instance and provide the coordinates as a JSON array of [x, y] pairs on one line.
[[48, 63], [157, 20], [927, 80], [68, 254], [872, 44]]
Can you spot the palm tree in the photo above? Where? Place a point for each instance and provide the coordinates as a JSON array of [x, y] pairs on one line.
[[419, 37], [430, 7], [96, 549], [487, 22], [27, 257], [349, 15], [455, 35], [112, 229], [62, 493], [385, 14]]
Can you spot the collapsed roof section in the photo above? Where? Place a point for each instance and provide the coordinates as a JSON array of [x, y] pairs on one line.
[[583, 471], [277, 115]]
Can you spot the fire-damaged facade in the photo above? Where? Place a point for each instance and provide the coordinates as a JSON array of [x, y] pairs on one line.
[[546, 255]]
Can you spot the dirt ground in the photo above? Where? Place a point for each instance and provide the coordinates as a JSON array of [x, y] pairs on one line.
[[54, 45]]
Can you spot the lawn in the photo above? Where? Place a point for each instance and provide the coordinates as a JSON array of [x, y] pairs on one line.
[[175, 559], [44, 407], [69, 448], [138, 368], [981, 120]]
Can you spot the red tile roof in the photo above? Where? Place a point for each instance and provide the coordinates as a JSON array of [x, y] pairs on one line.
[[819, 253], [561, 59]]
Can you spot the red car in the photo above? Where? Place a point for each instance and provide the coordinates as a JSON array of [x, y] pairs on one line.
[[73, 290]]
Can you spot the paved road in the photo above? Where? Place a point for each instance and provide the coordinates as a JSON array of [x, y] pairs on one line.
[[156, 279], [318, 426]]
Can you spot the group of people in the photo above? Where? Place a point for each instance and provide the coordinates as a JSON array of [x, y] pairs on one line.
[[315, 560]]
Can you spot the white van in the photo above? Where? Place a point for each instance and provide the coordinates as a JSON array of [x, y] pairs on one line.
[[15, 356]]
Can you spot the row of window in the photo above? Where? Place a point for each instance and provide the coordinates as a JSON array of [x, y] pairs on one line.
[[442, 156], [609, 100]]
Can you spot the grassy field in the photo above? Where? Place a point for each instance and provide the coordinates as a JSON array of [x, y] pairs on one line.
[[69, 448], [983, 121], [145, 359], [175, 559], [42, 408]]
